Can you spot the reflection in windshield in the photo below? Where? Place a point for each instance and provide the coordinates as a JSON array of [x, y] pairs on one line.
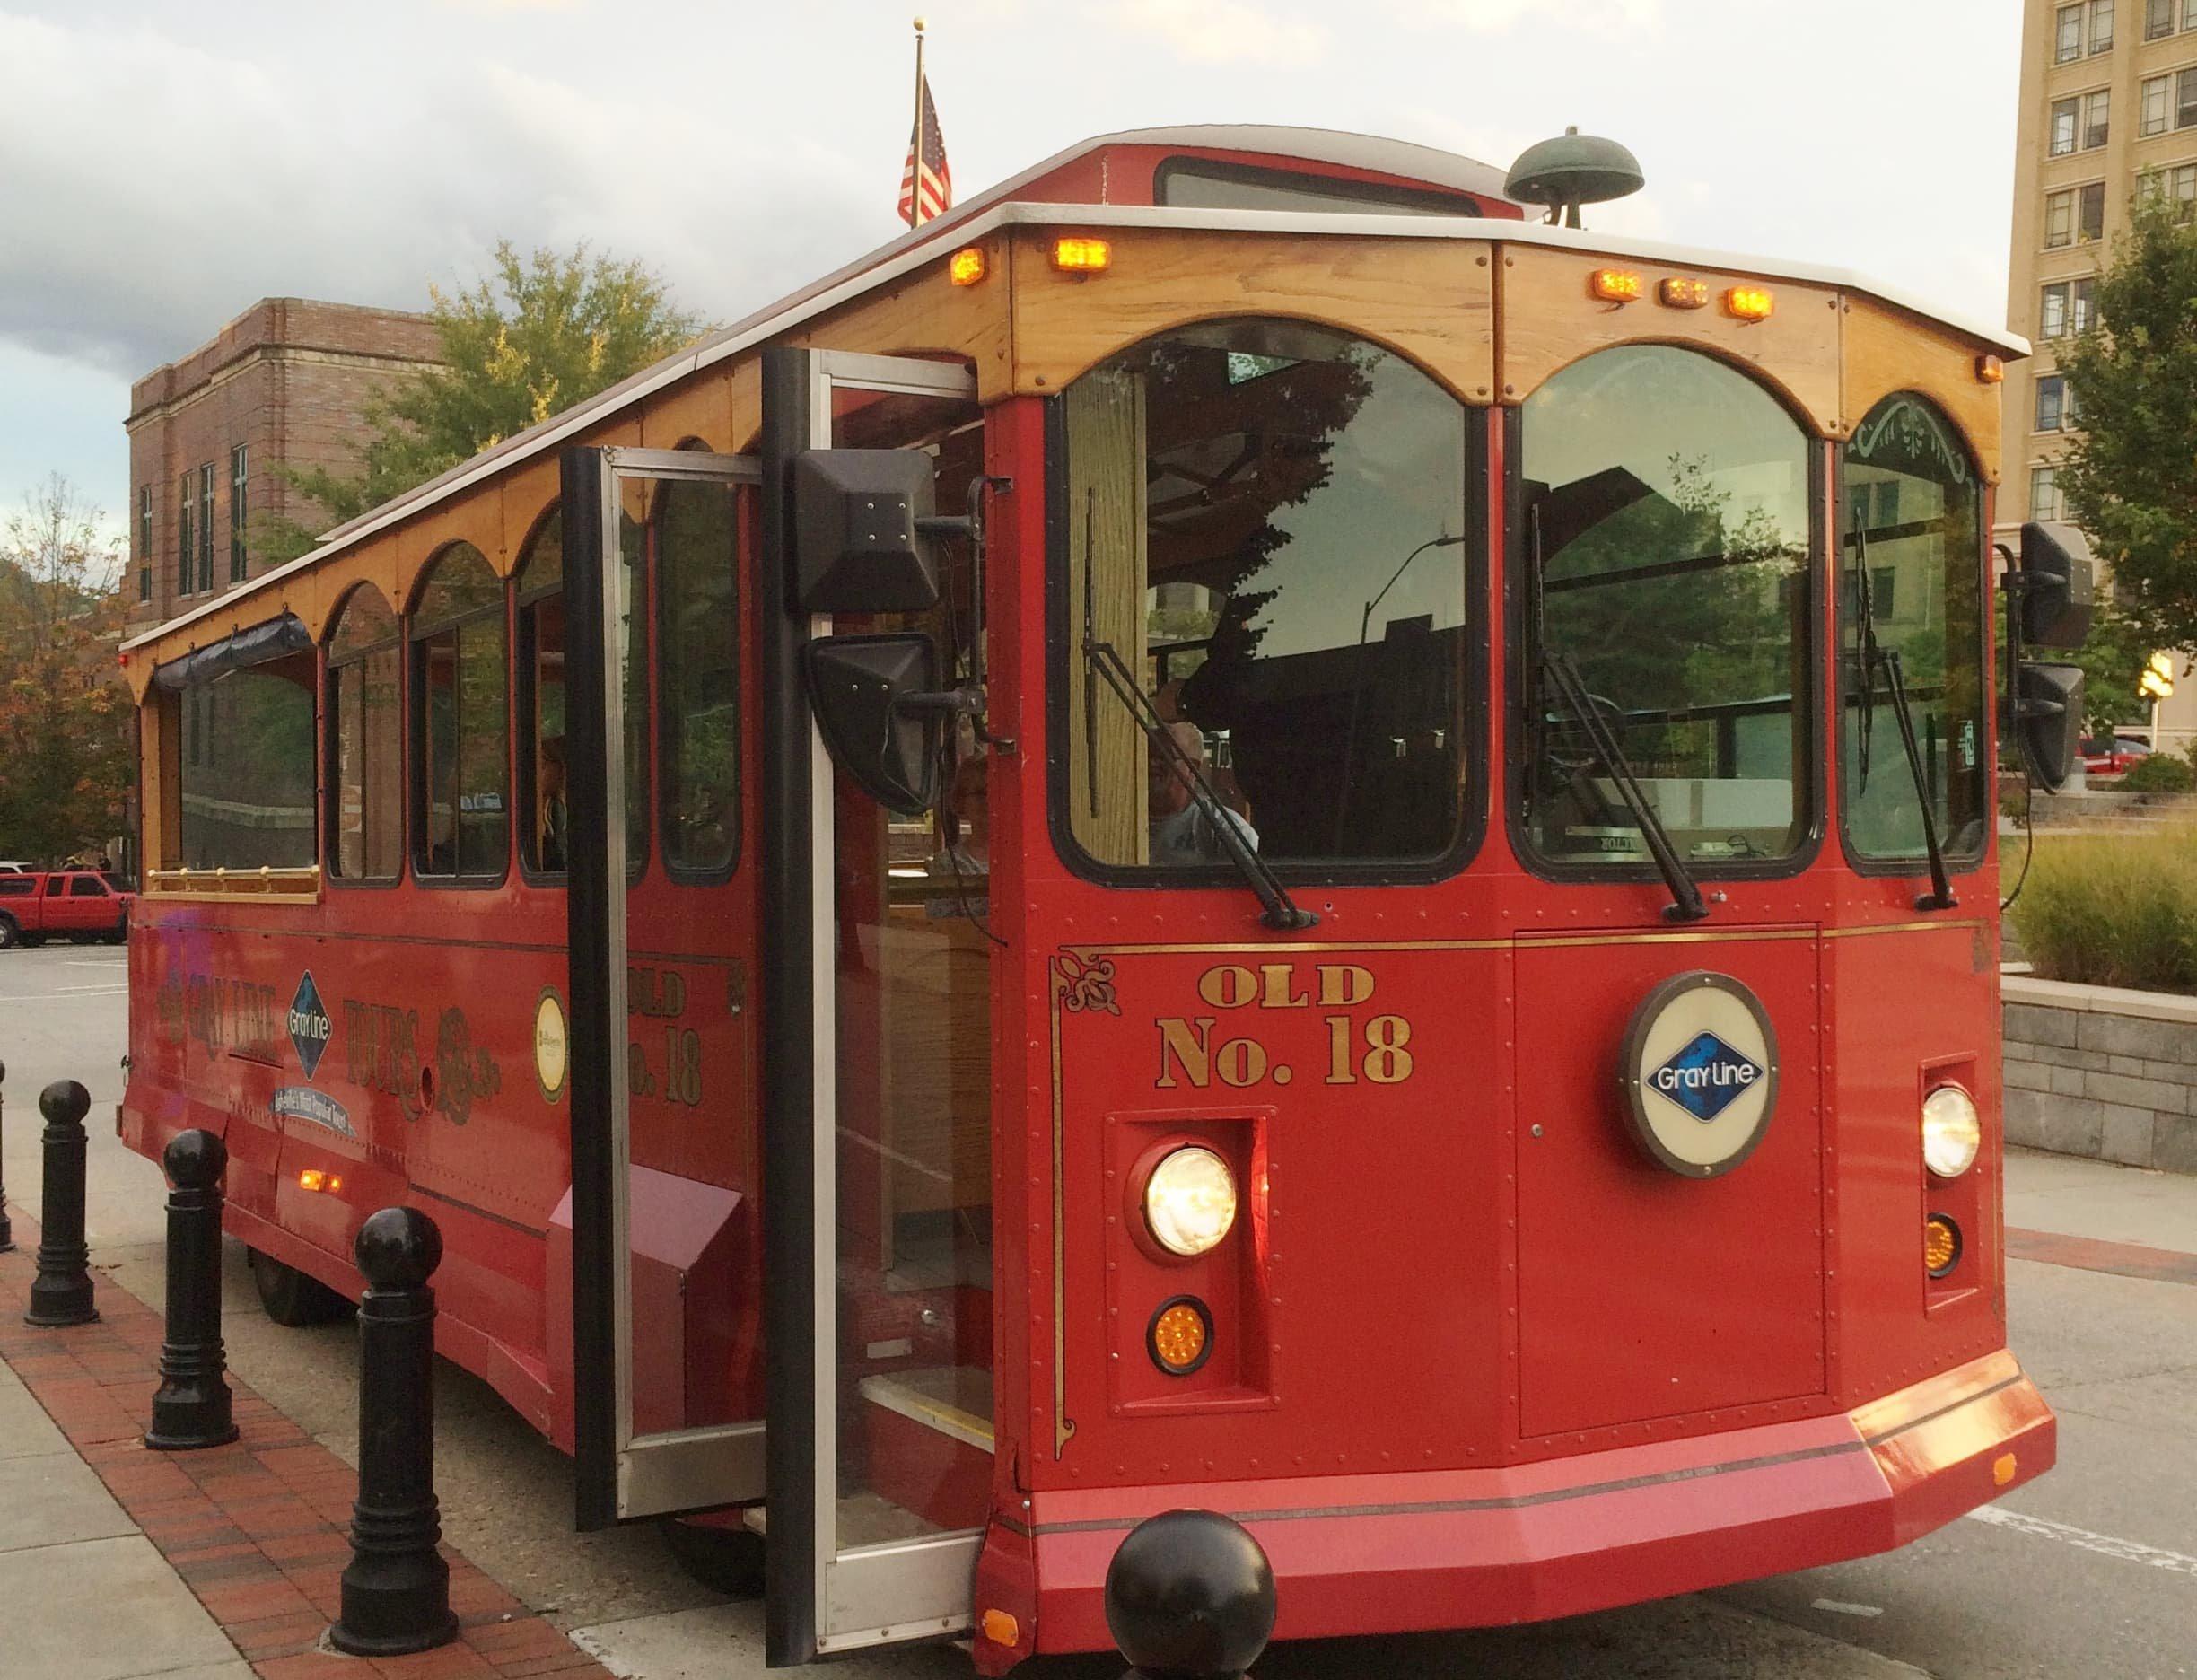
[[1264, 521], [1666, 500]]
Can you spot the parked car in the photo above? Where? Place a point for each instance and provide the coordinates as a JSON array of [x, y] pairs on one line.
[[2114, 755], [76, 905]]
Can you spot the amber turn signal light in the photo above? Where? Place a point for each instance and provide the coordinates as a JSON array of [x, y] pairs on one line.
[[1990, 371], [1941, 1245], [1181, 1336], [1614, 285], [1078, 255], [966, 266], [1750, 303], [1682, 293]]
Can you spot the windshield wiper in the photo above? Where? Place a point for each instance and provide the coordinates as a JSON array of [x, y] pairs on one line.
[[1277, 909], [1875, 657], [1562, 670]]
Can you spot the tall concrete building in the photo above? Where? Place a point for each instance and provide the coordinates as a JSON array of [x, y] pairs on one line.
[[2109, 109], [285, 383]]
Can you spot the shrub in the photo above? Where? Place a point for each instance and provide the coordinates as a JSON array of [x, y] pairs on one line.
[[2114, 909], [2160, 773]]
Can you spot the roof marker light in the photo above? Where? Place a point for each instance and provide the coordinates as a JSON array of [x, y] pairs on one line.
[[1990, 371], [1079, 254], [967, 266], [1614, 285], [1683, 293], [1750, 303]]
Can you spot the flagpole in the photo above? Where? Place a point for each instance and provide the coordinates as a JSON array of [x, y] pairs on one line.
[[916, 215]]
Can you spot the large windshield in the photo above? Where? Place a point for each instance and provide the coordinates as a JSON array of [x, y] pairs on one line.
[[1665, 510], [1911, 587], [1266, 523]]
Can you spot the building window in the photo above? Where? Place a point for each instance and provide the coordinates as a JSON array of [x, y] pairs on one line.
[[2189, 14], [144, 542], [2059, 219], [238, 562], [205, 526], [2158, 105], [2090, 211], [2185, 98], [2065, 115], [365, 733], [2082, 300], [2178, 183], [460, 819], [2052, 310], [2055, 410], [2045, 493], [2097, 119], [2068, 34], [185, 548], [2101, 25], [2159, 18]]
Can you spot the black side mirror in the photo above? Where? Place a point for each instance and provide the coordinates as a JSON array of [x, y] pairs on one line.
[[859, 541], [2058, 581], [878, 706], [2048, 722]]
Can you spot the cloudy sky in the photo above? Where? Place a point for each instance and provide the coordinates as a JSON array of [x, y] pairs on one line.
[[165, 162]]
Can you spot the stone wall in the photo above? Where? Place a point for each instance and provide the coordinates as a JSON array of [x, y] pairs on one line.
[[2093, 1071]]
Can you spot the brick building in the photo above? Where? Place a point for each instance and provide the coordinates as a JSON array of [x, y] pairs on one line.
[[283, 384]]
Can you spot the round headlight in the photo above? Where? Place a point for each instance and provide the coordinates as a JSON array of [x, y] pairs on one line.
[[1952, 1131], [1190, 1200]]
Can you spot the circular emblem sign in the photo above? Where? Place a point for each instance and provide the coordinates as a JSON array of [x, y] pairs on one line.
[[1700, 1073], [552, 1050]]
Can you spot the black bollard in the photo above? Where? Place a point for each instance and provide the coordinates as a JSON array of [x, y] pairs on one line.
[[395, 1589], [191, 1407], [8, 1228], [62, 1293], [1190, 1596]]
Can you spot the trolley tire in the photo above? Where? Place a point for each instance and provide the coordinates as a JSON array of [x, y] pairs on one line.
[[728, 1560], [31, 941], [291, 1298], [10, 934]]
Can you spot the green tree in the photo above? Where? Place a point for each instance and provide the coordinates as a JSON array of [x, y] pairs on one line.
[[2131, 477], [64, 715], [549, 330]]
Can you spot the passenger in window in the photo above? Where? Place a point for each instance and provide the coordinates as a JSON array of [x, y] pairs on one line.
[[551, 822], [1182, 832]]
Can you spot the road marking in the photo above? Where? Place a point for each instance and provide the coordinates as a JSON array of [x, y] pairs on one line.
[[1836, 1608], [2127, 1551], [88, 991], [2089, 1254]]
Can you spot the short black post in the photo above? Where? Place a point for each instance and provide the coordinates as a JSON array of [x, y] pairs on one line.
[[62, 1293], [1189, 1595], [191, 1407], [8, 1228], [395, 1589]]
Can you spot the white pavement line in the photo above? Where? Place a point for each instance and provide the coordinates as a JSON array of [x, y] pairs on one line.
[[1837, 1608], [2127, 1551], [49, 997], [586, 1639]]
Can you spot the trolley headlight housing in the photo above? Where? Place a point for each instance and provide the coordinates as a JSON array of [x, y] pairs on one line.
[[1190, 1200], [1952, 1131]]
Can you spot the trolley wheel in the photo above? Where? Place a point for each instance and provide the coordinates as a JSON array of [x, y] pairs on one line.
[[728, 1560], [10, 934], [291, 1298], [31, 941]]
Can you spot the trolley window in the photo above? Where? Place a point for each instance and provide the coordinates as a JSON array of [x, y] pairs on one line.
[[697, 527], [365, 737], [459, 737], [1265, 523], [1665, 518], [542, 770], [1910, 598], [1208, 184], [245, 770]]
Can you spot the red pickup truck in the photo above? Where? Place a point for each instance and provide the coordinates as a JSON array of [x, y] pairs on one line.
[[77, 905]]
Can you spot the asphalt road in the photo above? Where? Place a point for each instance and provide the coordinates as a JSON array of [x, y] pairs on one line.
[[2088, 1574]]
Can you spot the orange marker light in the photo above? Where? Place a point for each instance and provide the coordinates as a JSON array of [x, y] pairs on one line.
[[312, 1179], [999, 1627], [1750, 303], [1941, 1245], [1683, 293], [2004, 1468], [1073, 254], [966, 266], [334, 1184], [1990, 371], [1180, 1335], [1614, 285]]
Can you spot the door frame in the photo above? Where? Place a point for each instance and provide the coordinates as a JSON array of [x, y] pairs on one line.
[[815, 1601], [619, 1476]]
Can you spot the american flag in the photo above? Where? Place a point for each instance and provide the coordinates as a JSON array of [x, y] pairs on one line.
[[927, 184]]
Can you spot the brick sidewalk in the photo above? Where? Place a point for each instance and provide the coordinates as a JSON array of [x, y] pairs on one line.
[[257, 1530]]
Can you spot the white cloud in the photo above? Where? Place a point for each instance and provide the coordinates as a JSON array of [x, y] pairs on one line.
[[1488, 16], [1220, 31]]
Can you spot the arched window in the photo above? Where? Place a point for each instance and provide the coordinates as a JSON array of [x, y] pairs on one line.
[[365, 740], [1269, 524], [462, 822], [1666, 527], [1910, 596]]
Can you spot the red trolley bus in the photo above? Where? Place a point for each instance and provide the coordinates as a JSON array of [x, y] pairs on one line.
[[1231, 832]]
